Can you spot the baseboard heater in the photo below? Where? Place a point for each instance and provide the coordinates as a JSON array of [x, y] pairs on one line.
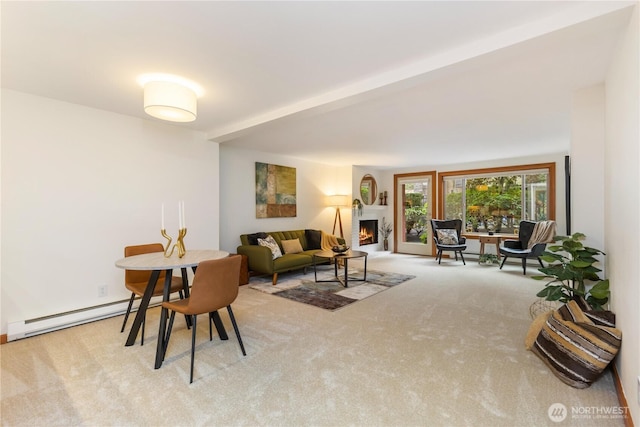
[[42, 325]]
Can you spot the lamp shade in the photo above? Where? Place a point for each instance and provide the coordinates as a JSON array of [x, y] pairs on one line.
[[339, 201], [170, 101]]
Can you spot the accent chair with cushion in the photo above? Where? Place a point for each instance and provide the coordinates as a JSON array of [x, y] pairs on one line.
[[447, 237], [525, 247]]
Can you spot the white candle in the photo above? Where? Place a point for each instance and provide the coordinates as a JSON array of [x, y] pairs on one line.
[[179, 217], [184, 219], [163, 216]]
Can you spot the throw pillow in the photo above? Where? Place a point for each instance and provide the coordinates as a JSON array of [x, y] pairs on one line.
[[535, 328], [601, 317], [271, 243], [576, 349], [253, 238], [292, 246], [314, 239], [447, 236]]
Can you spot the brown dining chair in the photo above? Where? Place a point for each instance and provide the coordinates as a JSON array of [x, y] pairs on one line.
[[136, 280], [215, 286]]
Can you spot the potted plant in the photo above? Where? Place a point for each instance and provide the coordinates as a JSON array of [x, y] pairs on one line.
[[488, 259], [571, 268], [356, 207], [385, 231]]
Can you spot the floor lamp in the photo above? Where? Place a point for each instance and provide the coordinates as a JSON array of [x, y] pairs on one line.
[[338, 201]]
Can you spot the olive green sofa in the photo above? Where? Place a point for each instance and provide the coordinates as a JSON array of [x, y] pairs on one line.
[[260, 258]]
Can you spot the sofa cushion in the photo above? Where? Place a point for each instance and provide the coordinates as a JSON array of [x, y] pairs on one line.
[[314, 239], [279, 236], [253, 238], [291, 261], [270, 243], [576, 349], [292, 246]]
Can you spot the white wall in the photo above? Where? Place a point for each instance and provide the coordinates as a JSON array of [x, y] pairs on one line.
[[79, 184], [313, 182], [587, 164], [622, 204]]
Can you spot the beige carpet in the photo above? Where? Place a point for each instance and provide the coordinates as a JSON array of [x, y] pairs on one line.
[[443, 349]]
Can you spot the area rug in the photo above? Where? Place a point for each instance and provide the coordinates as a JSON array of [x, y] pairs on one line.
[[303, 288]]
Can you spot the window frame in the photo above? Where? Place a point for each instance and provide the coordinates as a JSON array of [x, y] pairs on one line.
[[516, 169]]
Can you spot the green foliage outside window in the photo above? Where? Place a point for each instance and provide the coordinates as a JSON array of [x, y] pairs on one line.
[[495, 203], [415, 213]]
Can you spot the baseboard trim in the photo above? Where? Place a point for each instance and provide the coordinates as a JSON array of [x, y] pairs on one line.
[[42, 325], [622, 399]]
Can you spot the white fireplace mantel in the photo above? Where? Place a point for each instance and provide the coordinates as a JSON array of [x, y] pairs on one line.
[[368, 212], [374, 207]]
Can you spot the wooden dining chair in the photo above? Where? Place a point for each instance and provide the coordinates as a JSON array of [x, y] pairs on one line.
[[215, 286], [136, 280]]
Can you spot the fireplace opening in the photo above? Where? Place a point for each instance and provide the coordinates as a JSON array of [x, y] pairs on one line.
[[368, 232]]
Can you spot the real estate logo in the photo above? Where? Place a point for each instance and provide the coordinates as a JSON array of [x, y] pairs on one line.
[[557, 412]]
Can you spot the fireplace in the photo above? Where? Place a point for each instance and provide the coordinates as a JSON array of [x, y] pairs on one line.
[[368, 234]]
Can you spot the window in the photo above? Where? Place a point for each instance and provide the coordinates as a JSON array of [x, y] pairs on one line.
[[498, 199]]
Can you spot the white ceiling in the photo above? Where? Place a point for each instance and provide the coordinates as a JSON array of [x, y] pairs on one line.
[[385, 84]]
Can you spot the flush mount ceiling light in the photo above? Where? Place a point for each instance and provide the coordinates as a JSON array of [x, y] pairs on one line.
[[170, 97]]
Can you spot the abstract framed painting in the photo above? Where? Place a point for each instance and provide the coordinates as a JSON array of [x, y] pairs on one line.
[[275, 191]]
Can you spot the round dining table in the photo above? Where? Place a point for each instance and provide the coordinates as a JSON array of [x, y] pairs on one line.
[[157, 262]]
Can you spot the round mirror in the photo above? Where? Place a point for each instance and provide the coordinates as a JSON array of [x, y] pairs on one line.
[[368, 189]]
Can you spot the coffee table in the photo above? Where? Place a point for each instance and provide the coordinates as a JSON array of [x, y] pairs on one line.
[[344, 256]]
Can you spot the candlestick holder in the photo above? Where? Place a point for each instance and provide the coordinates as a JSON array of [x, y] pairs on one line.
[[179, 243]]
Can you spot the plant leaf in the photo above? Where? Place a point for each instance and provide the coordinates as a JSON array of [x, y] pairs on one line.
[[577, 263], [551, 293], [549, 257], [601, 290]]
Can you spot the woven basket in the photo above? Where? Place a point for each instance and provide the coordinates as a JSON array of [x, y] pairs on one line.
[[542, 306]]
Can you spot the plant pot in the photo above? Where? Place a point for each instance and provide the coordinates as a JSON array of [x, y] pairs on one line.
[[385, 244]]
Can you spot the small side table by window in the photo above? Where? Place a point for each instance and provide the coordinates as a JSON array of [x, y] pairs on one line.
[[493, 239]]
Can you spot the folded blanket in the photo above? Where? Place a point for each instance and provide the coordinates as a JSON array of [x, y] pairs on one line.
[[328, 241], [543, 232]]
